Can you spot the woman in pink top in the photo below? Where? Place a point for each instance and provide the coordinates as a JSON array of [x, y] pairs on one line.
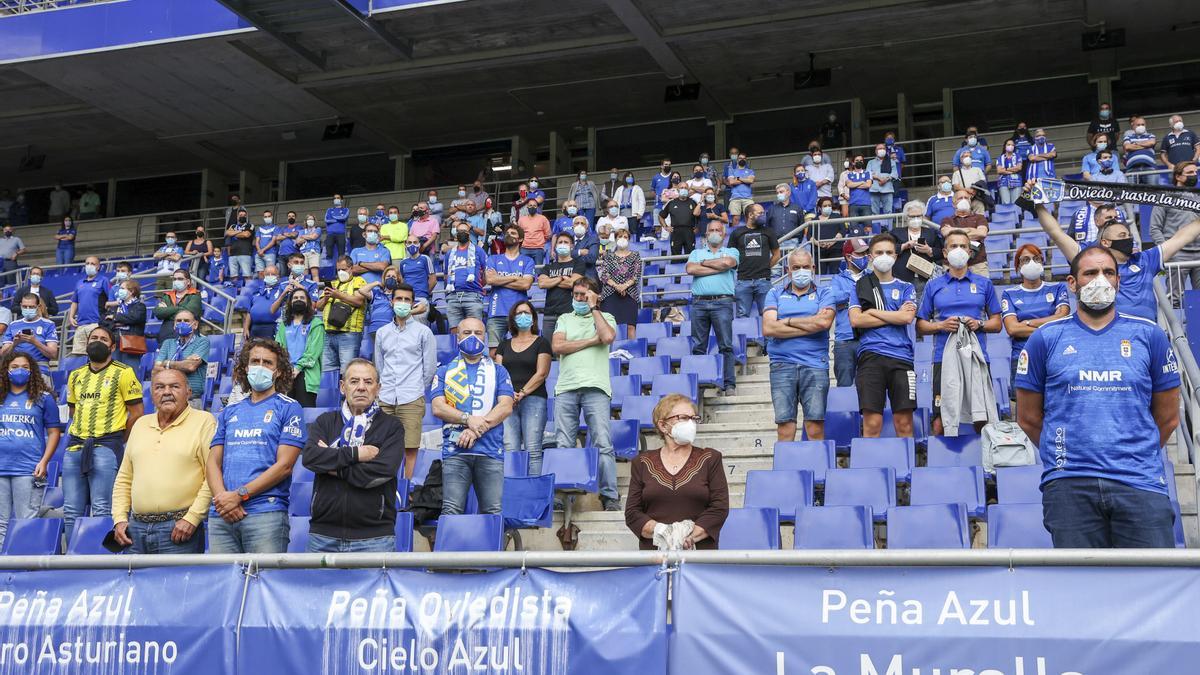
[[537, 231]]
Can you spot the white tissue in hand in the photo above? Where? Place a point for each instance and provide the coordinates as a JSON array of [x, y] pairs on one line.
[[661, 539]]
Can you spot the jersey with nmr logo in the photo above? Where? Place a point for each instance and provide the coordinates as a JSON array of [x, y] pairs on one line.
[[252, 433], [1098, 386]]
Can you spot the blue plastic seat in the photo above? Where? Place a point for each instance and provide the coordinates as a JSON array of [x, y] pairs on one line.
[[739, 347], [300, 502], [87, 537], [840, 427], [950, 485], [815, 456], [516, 464], [834, 527], [470, 532], [920, 423], [652, 332], [404, 532], [955, 451], [706, 368], [329, 395], [446, 348], [649, 366], [672, 383], [674, 347], [33, 536], [1017, 526], [1019, 484], [301, 473], [297, 534], [750, 327], [842, 399], [874, 487], [625, 385], [528, 501], [425, 458], [898, 453], [626, 438], [574, 469], [750, 529], [637, 347], [640, 408], [928, 526], [780, 490]]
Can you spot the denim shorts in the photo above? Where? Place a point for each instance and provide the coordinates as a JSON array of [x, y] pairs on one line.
[[497, 330], [241, 266], [792, 384], [460, 305]]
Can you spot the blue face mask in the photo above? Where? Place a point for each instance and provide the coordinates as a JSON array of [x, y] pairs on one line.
[[781, 197], [524, 321], [402, 309], [1106, 164], [862, 262], [19, 376], [629, 181], [183, 329], [471, 346], [802, 278], [562, 250], [571, 210], [581, 308], [35, 279], [390, 283], [412, 249], [30, 313], [260, 378]]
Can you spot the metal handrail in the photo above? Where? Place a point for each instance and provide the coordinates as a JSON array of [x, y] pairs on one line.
[[1189, 421], [1010, 558]]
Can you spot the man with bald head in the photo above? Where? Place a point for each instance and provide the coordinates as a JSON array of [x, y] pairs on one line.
[[796, 322], [160, 497], [187, 352]]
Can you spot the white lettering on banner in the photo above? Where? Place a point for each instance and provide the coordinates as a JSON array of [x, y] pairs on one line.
[[379, 654], [886, 610], [436, 612], [895, 666]]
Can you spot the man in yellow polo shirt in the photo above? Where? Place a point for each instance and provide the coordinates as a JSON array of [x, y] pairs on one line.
[[393, 232], [342, 305], [105, 399], [161, 496]]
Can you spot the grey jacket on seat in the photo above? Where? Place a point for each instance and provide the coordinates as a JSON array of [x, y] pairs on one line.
[[967, 394]]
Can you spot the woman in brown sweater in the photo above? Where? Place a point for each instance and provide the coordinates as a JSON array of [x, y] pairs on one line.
[[678, 482]]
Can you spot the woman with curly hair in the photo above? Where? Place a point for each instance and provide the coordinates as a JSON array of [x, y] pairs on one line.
[[302, 332], [250, 464], [29, 433]]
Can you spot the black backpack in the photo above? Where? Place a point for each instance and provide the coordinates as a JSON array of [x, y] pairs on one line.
[[425, 502]]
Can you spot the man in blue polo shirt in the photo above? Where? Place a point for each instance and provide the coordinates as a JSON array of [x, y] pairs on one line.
[[371, 259], [980, 156], [91, 292], [335, 228], [858, 182], [257, 442], [510, 275], [261, 308], [959, 296], [1180, 144], [796, 324], [1136, 293], [740, 180], [659, 182], [940, 206], [712, 297], [842, 291], [1098, 392], [881, 311]]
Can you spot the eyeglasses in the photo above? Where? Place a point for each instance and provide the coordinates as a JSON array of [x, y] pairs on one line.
[[1028, 259], [682, 418]]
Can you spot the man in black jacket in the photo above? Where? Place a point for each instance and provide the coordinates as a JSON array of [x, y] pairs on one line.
[[34, 285], [355, 453]]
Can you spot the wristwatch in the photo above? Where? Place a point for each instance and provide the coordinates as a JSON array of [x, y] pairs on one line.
[[243, 493]]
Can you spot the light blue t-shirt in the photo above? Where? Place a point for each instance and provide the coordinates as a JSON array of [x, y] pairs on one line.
[[23, 426], [364, 254], [503, 298], [252, 433], [714, 284], [811, 351], [889, 340], [971, 297], [465, 389], [1097, 387], [741, 190], [1037, 303]]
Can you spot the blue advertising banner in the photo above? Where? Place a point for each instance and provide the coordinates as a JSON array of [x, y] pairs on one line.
[[163, 620], [509, 621], [947, 621]]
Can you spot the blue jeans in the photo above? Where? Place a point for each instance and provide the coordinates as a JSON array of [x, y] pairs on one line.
[[460, 472], [496, 329], [155, 538], [241, 266], [261, 261], [857, 210], [64, 256], [17, 499], [749, 293], [340, 350], [716, 314], [92, 491], [1102, 513], [335, 245], [538, 254], [524, 429], [881, 202], [597, 411], [1008, 195], [256, 533], [321, 544], [461, 305], [590, 214], [845, 361], [795, 385]]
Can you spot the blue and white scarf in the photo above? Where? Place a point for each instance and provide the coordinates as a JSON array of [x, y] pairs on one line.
[[354, 427]]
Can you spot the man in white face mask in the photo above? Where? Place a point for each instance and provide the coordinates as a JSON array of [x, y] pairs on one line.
[[796, 323], [976, 227], [880, 312], [969, 172], [957, 297], [1098, 393]]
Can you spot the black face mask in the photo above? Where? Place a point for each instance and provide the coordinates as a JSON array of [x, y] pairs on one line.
[[199, 234], [462, 237], [299, 307], [858, 164], [291, 220], [1021, 132], [1122, 245], [666, 168], [1189, 181], [98, 352], [242, 220], [698, 174], [419, 213], [741, 162], [477, 188]]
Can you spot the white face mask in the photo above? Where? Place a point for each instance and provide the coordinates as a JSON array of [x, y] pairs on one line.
[[846, 164], [684, 432], [1099, 294], [881, 153], [962, 205], [914, 223], [946, 187], [579, 230], [883, 264], [1178, 126], [623, 243], [966, 160], [343, 276], [958, 258], [816, 159], [1140, 129], [1032, 270]]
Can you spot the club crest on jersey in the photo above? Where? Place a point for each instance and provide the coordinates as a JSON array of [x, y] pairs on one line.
[[1023, 363], [1049, 297], [895, 293], [1126, 348], [267, 417], [973, 289], [1135, 269]]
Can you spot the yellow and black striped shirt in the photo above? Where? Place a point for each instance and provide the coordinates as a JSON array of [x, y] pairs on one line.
[[100, 398]]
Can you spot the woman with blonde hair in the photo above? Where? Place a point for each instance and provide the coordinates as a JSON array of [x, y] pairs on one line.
[[678, 495]]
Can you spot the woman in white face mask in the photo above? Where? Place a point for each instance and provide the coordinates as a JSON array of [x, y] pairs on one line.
[[620, 273], [919, 239], [678, 495], [1031, 304]]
